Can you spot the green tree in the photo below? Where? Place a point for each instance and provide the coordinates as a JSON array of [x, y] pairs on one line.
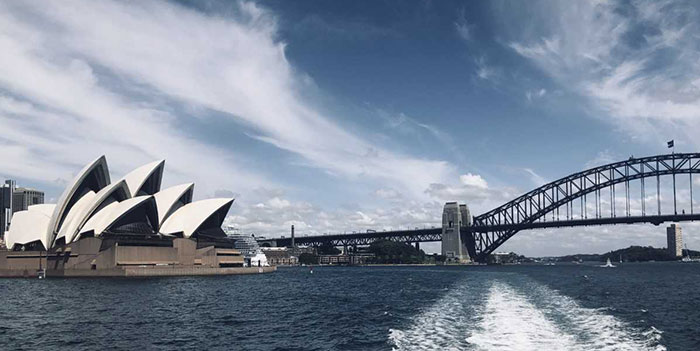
[[307, 258], [386, 251], [439, 258], [328, 249]]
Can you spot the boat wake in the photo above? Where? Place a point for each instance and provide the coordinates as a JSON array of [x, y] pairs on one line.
[[530, 317], [441, 326], [510, 322]]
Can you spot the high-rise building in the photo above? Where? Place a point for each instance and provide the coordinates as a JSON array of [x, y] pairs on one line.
[[25, 197], [674, 239], [455, 217], [6, 205], [13, 200]]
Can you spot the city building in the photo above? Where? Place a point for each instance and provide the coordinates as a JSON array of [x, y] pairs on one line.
[[454, 218], [280, 256], [121, 228], [674, 240], [22, 198], [334, 259], [345, 259], [14, 199], [6, 196]]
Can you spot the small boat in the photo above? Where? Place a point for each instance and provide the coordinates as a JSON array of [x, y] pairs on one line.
[[608, 264], [687, 257]]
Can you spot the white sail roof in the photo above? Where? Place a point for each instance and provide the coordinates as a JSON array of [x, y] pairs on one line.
[[138, 178], [74, 212], [187, 219], [28, 226], [166, 199], [113, 192], [91, 203], [110, 214], [93, 176], [46, 209]]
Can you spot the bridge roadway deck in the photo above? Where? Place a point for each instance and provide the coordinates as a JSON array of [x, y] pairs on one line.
[[409, 236], [655, 219], [435, 234]]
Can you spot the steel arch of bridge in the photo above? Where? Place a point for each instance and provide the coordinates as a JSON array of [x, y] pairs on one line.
[[532, 209]]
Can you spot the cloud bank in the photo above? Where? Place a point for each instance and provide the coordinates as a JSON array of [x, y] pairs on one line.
[[89, 58], [636, 63]]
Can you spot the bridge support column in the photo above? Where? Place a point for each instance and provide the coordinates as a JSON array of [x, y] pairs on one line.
[[417, 245], [455, 217]]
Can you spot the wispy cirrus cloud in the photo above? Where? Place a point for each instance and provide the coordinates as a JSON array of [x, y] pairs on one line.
[[112, 71], [464, 29], [634, 62]]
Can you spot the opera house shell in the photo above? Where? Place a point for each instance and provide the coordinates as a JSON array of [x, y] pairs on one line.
[[100, 224]]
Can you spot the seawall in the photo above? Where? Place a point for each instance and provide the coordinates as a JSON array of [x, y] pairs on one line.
[[138, 272]]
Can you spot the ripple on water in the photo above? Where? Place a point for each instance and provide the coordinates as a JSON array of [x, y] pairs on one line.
[[362, 308], [527, 316]]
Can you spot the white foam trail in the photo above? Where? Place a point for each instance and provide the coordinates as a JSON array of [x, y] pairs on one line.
[[533, 317], [440, 327], [594, 329], [510, 322], [547, 320], [529, 317]]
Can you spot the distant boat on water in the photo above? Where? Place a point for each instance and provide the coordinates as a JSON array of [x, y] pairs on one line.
[[687, 258], [608, 264]]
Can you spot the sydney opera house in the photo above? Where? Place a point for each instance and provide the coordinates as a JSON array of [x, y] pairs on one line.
[[122, 228]]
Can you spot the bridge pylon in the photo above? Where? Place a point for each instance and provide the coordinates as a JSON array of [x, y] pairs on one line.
[[456, 235]]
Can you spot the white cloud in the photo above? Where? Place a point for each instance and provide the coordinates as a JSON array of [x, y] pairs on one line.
[[463, 28], [473, 190], [602, 158], [484, 70], [388, 194], [274, 216], [637, 65], [278, 203], [235, 66], [535, 94], [536, 179], [98, 68], [474, 180], [410, 126]]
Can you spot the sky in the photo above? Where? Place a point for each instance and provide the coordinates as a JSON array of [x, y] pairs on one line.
[[341, 116]]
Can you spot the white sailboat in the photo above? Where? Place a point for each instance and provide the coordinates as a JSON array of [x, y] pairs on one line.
[[608, 264], [687, 258]]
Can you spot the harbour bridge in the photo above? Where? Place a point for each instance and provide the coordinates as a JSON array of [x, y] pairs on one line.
[[598, 196]]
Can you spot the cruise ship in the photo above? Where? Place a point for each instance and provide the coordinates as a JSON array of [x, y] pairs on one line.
[[249, 248]]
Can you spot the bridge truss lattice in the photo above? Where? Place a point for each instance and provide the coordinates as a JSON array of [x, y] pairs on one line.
[[555, 204]]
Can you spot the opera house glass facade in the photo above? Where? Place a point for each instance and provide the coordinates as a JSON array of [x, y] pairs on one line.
[[107, 226]]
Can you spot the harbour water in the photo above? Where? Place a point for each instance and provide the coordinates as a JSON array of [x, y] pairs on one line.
[[653, 306]]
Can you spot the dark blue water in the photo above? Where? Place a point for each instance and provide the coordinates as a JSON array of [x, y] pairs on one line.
[[634, 307]]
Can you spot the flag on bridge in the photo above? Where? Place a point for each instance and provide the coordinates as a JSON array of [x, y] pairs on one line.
[[670, 144]]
